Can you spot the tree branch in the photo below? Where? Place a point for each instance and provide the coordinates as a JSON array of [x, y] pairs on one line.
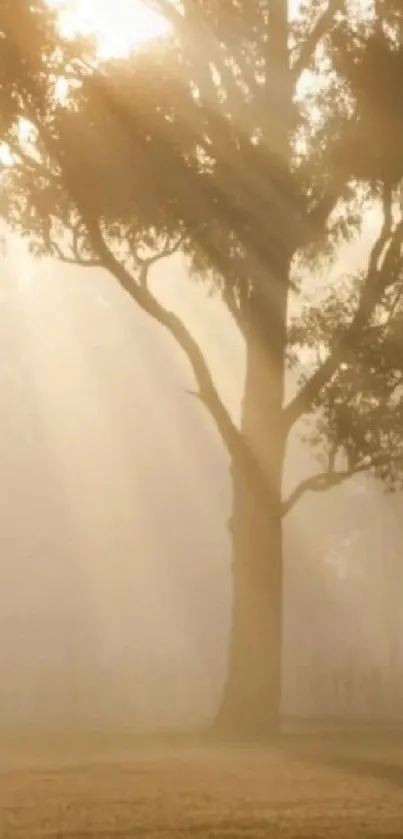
[[146, 264], [232, 438], [75, 258], [378, 280], [140, 293], [198, 41], [81, 262], [321, 482], [316, 34], [234, 307]]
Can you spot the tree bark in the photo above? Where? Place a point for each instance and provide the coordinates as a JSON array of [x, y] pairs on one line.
[[252, 695]]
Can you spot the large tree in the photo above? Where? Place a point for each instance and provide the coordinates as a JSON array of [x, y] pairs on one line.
[[253, 142]]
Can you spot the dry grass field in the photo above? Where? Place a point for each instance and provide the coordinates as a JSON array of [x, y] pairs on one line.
[[344, 787]]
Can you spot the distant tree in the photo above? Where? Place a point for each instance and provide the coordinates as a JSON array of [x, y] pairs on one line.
[[253, 143]]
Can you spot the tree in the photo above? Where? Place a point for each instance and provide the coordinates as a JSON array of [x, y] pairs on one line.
[[210, 142]]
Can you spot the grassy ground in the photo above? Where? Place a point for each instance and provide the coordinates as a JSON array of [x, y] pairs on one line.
[[302, 788]]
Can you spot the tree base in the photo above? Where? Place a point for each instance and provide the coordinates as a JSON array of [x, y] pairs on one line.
[[252, 725]]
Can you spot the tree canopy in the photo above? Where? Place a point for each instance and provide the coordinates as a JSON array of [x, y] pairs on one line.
[[179, 146]]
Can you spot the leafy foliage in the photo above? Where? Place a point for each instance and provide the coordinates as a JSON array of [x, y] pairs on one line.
[[360, 408], [183, 144]]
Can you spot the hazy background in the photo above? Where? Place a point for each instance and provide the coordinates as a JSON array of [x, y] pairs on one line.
[[114, 502]]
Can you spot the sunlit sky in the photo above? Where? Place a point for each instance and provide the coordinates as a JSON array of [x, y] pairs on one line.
[[118, 24]]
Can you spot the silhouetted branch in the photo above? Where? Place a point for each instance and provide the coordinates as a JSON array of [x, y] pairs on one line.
[[234, 307], [139, 292], [74, 257], [332, 478], [81, 262], [378, 279], [321, 482], [198, 40], [318, 216], [208, 393], [146, 264], [316, 34], [24, 162]]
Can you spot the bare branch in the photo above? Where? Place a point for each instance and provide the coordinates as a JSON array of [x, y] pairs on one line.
[[71, 260], [146, 264], [208, 393], [232, 438], [332, 478], [139, 291], [321, 482]]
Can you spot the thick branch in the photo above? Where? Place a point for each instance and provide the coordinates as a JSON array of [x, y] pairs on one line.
[[208, 393], [139, 292]]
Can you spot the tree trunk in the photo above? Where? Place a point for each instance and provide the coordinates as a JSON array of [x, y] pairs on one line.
[[252, 695]]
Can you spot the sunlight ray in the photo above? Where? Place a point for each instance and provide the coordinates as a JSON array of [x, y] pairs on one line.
[[118, 26]]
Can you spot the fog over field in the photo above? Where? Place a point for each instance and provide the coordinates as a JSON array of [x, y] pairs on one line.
[[114, 505]]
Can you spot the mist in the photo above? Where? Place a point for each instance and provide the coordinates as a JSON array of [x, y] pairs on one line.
[[115, 579]]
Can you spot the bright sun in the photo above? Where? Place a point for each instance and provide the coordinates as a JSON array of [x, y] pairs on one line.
[[119, 25]]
